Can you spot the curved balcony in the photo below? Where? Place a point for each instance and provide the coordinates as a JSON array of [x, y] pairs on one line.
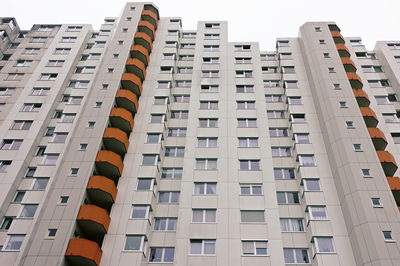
[[394, 184], [93, 221], [101, 191], [337, 37], [116, 140], [109, 164], [342, 50], [388, 162], [148, 28], [361, 97], [144, 40], [369, 116], [122, 119], [150, 16], [83, 252], [132, 82], [378, 138], [355, 80], [137, 67], [152, 9], [334, 27], [348, 64], [141, 53], [127, 100]]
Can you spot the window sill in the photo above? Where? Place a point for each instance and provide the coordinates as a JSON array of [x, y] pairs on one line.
[[390, 241], [243, 255], [202, 255]]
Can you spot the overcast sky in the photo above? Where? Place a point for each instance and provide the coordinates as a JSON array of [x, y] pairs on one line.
[[249, 20]]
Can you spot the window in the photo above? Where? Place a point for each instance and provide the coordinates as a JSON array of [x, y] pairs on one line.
[[245, 47], [91, 56], [281, 151], [396, 138], [268, 57], [283, 43], [98, 104], [244, 73], [202, 247], [168, 197], [166, 69], [185, 70], [208, 105], [211, 48], [387, 235], [372, 69], [349, 124], [39, 91], [207, 142], [394, 46], [154, 138], [165, 224], [247, 122], [210, 60], [326, 55], [62, 51], [180, 114], [244, 88], [18, 197], [134, 242], [60, 137], [317, 213], [390, 118], [51, 76], [6, 224], [171, 173], [79, 84], [204, 215], [184, 83], [288, 197], [68, 39], [211, 36], [243, 60], [205, 188], [40, 151], [278, 132], [140, 211], [174, 151], [298, 118], [40, 184], [252, 165], [157, 118], [252, 216], [246, 105], [306, 160], [150, 159], [64, 199], [294, 100], [302, 138], [21, 125], [30, 172], [288, 70], [186, 57], [91, 124], [31, 50], [290, 84], [208, 122], [164, 84], [55, 63], [275, 114], [206, 164], [251, 189], [23, 63], [177, 132], [212, 25], [74, 28], [292, 225], [163, 100], [14, 76], [296, 255], [324, 244], [31, 107], [209, 88], [11, 144], [83, 146], [6, 91], [311, 184], [382, 100], [285, 56], [378, 83], [248, 142], [376, 202], [161, 254], [51, 232], [73, 171], [331, 70], [273, 98], [181, 98], [28, 210], [357, 147], [67, 118], [14, 242], [50, 159], [254, 247], [85, 69], [38, 39]]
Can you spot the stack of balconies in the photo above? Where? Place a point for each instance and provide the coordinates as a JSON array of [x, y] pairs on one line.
[[93, 219], [378, 138]]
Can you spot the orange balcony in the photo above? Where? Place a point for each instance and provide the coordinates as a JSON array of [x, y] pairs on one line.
[[361, 97], [83, 252], [369, 116], [342, 50], [141, 53], [378, 138], [93, 221], [148, 28], [337, 37], [152, 9], [348, 64], [144, 40], [122, 119], [388, 162], [355, 80], [109, 164], [101, 191], [132, 82], [334, 27], [137, 67], [150, 16], [127, 100], [116, 140], [394, 184]]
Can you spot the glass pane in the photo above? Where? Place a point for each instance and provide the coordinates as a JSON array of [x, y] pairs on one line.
[[168, 254], [133, 242], [209, 247], [198, 216], [210, 216], [195, 246]]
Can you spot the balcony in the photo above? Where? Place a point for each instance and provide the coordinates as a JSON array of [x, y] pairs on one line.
[[151, 17], [337, 37], [83, 252], [93, 221], [144, 40], [109, 164], [148, 28], [128, 100], [342, 50], [141, 53], [102, 191], [348, 64], [388, 162], [137, 67], [361, 97], [369, 116], [394, 184], [378, 138], [122, 119], [116, 140], [355, 80], [334, 27], [132, 82]]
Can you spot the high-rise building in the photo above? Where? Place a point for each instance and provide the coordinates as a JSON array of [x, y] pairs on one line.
[[143, 143]]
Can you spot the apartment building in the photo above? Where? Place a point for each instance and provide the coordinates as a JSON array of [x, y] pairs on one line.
[[145, 144]]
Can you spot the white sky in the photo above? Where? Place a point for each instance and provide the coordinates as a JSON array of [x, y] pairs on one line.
[[249, 20]]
